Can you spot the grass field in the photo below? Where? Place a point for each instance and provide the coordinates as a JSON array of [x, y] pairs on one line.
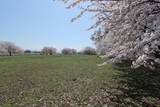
[[75, 81]]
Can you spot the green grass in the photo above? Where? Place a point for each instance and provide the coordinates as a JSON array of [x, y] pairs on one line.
[[74, 81]]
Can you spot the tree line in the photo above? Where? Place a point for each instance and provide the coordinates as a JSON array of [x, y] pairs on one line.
[[10, 49]]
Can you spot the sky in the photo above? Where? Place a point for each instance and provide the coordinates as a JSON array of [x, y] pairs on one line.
[[33, 24]]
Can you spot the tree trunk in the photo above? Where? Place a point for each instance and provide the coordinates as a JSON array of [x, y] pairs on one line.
[[10, 53]]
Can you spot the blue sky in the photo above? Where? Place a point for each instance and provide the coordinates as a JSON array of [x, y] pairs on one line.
[[33, 24]]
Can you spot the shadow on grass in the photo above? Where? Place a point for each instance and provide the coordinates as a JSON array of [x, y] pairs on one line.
[[138, 87]]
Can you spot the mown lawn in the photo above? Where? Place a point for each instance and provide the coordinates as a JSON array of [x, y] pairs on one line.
[[74, 81]]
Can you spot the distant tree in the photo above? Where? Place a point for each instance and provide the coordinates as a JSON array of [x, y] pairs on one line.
[[10, 48], [27, 52], [49, 50], [79, 52], [66, 51], [36, 52], [74, 51], [2, 49], [89, 51]]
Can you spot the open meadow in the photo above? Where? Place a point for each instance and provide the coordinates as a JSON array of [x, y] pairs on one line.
[[74, 81]]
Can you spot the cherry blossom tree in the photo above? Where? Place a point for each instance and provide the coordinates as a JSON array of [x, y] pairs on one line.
[[66, 51], [27, 51], [127, 29], [89, 51], [74, 51], [49, 50], [9, 48]]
